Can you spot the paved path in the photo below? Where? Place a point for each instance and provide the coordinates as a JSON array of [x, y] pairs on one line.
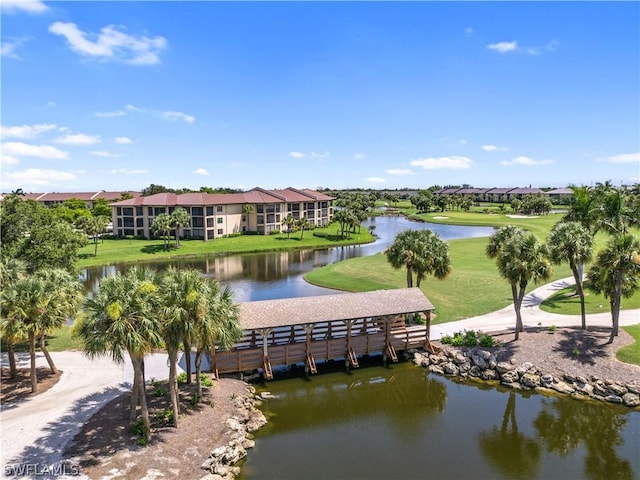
[[39, 429]]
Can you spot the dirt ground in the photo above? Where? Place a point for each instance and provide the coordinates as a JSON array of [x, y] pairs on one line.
[[20, 389], [106, 447]]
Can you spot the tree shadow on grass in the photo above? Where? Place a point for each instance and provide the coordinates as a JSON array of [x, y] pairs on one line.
[[153, 249]]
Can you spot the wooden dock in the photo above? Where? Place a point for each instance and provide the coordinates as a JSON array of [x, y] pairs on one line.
[[316, 329]]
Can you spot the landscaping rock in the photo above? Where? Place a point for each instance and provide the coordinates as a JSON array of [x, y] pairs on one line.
[[510, 376], [631, 399], [504, 367], [616, 389], [613, 399], [562, 387], [530, 380]]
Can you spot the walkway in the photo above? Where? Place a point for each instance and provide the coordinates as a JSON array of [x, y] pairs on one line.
[[37, 430]]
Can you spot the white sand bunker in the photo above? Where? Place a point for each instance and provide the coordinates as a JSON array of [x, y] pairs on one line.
[[523, 216], [440, 218]]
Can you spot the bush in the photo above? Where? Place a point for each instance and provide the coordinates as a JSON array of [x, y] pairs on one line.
[[138, 428], [320, 234], [182, 378], [458, 339], [231, 235], [165, 416], [470, 338], [487, 341], [274, 232], [205, 380]]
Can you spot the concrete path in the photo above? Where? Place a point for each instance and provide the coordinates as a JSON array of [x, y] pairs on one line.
[[37, 430]]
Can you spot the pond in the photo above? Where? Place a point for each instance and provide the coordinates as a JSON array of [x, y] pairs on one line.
[[403, 422], [272, 275]]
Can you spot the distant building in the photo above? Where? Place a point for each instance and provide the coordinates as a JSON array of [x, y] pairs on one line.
[[51, 199], [216, 215]]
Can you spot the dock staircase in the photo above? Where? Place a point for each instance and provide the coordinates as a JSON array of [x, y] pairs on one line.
[[392, 353], [353, 360], [268, 373], [311, 363]]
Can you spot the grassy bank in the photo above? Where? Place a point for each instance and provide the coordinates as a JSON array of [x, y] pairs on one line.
[[473, 288], [566, 302], [134, 250], [631, 353]]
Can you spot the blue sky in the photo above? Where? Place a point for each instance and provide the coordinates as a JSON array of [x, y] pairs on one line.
[[119, 95]]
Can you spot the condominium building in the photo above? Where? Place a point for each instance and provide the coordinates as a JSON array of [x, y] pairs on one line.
[[216, 215]]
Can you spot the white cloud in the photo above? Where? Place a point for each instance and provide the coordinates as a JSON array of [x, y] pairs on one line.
[[19, 149], [320, 155], [36, 177], [28, 6], [201, 171], [503, 47], [128, 171], [51, 104], [375, 180], [296, 154], [26, 131], [117, 113], [525, 161], [111, 43], [105, 154], [78, 139], [9, 160], [8, 49], [468, 31], [399, 171], [178, 116], [622, 158], [123, 140], [494, 148], [359, 156], [454, 162], [133, 108]]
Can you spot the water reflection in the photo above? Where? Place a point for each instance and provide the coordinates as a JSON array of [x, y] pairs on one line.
[[261, 276], [510, 451], [564, 427]]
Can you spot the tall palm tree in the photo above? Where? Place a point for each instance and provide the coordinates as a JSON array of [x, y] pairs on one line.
[[419, 251], [581, 207], [571, 242], [219, 328], [123, 315], [520, 259], [303, 224], [93, 227], [162, 225], [184, 306], [11, 330], [289, 222], [616, 274], [179, 219], [248, 210]]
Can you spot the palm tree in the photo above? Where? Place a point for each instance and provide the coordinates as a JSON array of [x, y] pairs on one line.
[[521, 259], [179, 218], [581, 207], [289, 222], [219, 328], [11, 331], [419, 251], [616, 274], [93, 227], [248, 210], [571, 242], [162, 225], [303, 224], [123, 315], [184, 306]]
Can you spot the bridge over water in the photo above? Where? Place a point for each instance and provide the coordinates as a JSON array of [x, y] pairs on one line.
[[306, 330]]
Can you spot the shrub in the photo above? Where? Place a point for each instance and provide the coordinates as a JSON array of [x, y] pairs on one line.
[[182, 378], [137, 428], [164, 416], [458, 339], [470, 338], [320, 234], [274, 232], [487, 341], [446, 339], [205, 380]]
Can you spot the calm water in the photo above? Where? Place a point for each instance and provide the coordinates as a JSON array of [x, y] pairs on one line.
[[402, 422], [265, 276]]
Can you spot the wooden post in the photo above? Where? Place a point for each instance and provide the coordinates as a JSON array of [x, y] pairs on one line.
[[427, 324], [387, 321], [308, 329]]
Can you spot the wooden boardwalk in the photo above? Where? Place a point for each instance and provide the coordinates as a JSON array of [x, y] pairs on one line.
[[286, 333]]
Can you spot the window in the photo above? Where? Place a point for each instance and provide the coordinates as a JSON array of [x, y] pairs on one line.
[[198, 233], [139, 222], [150, 211], [220, 220], [210, 233], [127, 211], [139, 211], [260, 220], [128, 222], [197, 222], [119, 222], [209, 222], [119, 210], [244, 218], [209, 211], [260, 208], [158, 210], [220, 231], [271, 218], [197, 211], [219, 208], [323, 204]]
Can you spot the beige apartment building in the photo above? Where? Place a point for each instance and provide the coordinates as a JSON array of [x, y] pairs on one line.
[[216, 215]]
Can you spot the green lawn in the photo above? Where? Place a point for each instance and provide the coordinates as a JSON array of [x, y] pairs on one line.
[[566, 302], [631, 353], [131, 250], [59, 340], [473, 288]]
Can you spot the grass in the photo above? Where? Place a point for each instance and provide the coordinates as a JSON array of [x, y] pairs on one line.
[[473, 287], [566, 302], [631, 353], [59, 340], [112, 251]]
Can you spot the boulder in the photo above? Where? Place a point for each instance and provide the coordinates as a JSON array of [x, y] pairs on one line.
[[616, 389], [479, 361], [530, 380], [613, 399], [631, 399], [546, 380], [562, 387], [436, 369], [584, 388], [450, 368], [489, 375], [510, 376], [504, 367], [633, 388]]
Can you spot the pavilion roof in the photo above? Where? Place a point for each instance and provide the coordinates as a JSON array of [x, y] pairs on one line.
[[331, 308]]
